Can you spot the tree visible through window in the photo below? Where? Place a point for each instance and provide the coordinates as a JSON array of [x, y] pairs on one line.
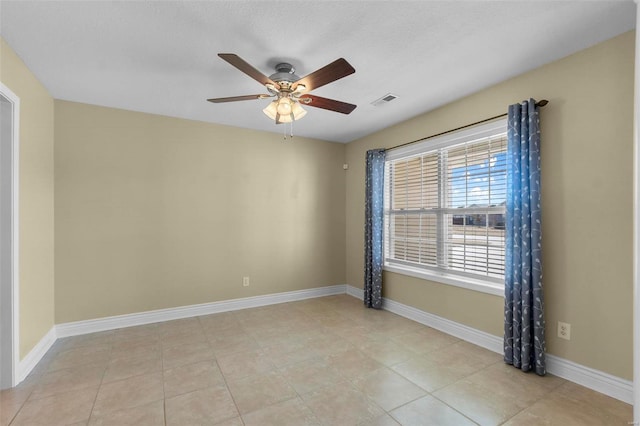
[[445, 208]]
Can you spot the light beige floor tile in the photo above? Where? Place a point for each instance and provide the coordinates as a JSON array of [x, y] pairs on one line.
[[217, 322], [330, 344], [464, 356], [125, 341], [128, 393], [68, 379], [82, 355], [478, 403], [524, 418], [425, 340], [236, 421], [388, 389], [187, 326], [187, 378], [258, 391], [202, 407], [505, 380], [359, 336], [122, 368], [92, 339], [183, 339], [135, 349], [136, 332], [60, 409], [352, 364], [178, 326], [563, 411], [342, 405], [388, 352], [213, 333], [243, 364], [292, 412], [309, 375], [384, 420], [273, 330], [233, 343], [594, 399], [428, 375], [287, 340], [572, 404], [429, 411], [11, 400], [146, 415], [176, 356], [285, 355]]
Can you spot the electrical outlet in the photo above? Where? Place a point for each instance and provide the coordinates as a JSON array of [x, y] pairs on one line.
[[564, 330], [245, 281]]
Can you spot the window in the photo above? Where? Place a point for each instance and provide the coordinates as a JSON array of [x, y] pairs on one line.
[[445, 208]]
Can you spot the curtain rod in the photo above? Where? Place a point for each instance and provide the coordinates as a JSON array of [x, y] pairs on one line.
[[540, 103]]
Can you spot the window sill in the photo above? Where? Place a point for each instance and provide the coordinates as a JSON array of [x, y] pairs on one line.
[[463, 282]]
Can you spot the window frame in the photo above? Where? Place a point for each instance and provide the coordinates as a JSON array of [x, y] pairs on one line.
[[490, 285]]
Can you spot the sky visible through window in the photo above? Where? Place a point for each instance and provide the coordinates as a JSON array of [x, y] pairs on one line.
[[479, 185]]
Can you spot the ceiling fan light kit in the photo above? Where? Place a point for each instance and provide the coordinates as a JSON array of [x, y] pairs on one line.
[[290, 90]]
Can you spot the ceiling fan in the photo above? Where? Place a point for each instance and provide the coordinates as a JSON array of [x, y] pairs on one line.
[[289, 90]]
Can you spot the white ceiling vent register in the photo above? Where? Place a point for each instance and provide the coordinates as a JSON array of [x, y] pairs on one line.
[[384, 100]]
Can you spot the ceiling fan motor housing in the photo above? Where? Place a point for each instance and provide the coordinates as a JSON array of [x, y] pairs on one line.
[[284, 73]]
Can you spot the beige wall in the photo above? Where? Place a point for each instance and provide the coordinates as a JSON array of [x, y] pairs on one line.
[[155, 212], [586, 195], [36, 199]]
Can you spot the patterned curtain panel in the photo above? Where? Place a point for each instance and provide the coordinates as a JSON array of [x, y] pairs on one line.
[[524, 343], [373, 232]]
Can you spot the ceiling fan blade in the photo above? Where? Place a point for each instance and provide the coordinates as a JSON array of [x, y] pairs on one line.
[[325, 103], [246, 68], [327, 74], [238, 98]]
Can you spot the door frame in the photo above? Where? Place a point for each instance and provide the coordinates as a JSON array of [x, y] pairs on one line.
[[10, 268]]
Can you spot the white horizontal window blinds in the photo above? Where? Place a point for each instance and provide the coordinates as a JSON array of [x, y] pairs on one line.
[[476, 189], [444, 207], [414, 195]]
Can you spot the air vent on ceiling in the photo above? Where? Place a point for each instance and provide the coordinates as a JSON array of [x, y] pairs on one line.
[[384, 100]]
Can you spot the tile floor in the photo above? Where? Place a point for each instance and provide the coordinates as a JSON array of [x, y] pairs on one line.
[[325, 361]]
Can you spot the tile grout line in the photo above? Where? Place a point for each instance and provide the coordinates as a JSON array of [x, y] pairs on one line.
[[104, 373], [215, 359], [12, 419]]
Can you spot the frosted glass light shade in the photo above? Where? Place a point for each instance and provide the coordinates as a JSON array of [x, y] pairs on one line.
[[271, 110], [298, 111], [284, 106]]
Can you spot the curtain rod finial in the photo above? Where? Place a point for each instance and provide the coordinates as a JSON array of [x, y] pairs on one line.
[[542, 103]]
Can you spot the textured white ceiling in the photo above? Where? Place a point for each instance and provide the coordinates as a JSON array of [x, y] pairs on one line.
[[161, 57]]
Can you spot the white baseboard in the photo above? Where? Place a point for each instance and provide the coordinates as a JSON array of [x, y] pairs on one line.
[[599, 381], [160, 315], [355, 292], [28, 363]]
